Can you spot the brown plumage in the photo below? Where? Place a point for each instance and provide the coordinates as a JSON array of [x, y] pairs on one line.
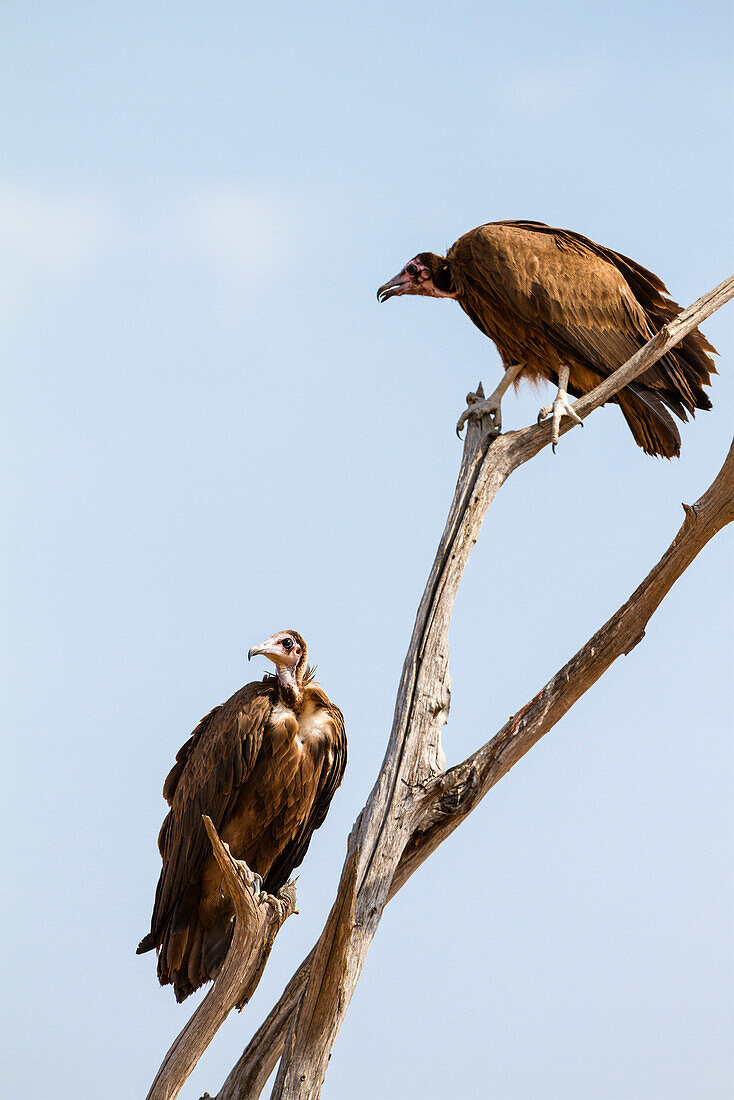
[[264, 766], [551, 298]]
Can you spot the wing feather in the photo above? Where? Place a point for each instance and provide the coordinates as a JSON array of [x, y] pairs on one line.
[[585, 299], [552, 280], [209, 770]]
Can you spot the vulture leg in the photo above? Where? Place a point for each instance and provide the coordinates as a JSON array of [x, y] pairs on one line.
[[492, 407], [559, 408]]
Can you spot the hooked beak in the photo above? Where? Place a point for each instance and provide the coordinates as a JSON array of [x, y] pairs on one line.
[[265, 649], [401, 284]]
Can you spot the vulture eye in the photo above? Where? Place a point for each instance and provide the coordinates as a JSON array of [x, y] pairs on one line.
[[411, 269], [287, 644]]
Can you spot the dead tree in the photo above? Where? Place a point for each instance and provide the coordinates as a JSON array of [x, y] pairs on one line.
[[415, 804]]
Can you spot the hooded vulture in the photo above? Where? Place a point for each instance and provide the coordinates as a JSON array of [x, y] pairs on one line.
[[560, 307], [264, 766]]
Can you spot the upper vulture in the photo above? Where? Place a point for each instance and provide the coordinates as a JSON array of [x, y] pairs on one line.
[[560, 307], [264, 766]]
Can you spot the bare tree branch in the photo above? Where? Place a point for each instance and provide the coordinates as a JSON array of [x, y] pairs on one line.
[[413, 806], [259, 917], [452, 796], [262, 1054], [314, 1024]]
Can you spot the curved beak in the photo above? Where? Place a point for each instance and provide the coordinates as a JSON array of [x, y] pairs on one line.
[[264, 649], [399, 285]]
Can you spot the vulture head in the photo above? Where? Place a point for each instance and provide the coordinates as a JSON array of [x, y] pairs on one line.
[[287, 650], [426, 274]]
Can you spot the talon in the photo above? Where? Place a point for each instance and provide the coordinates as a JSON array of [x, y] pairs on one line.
[[491, 406], [480, 409], [560, 408], [461, 422]]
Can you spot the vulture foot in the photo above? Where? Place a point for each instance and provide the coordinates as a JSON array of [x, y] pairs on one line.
[[560, 407], [257, 883], [477, 407]]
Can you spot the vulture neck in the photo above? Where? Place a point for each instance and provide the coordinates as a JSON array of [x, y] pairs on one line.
[[289, 686], [442, 281]]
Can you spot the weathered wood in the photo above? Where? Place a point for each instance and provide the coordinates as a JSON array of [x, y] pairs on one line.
[[258, 918], [413, 805], [452, 796], [250, 1073], [314, 1023]]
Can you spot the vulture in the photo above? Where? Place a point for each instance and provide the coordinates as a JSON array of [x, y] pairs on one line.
[[563, 308], [264, 766]]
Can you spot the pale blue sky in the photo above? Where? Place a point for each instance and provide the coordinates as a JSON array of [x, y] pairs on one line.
[[215, 431]]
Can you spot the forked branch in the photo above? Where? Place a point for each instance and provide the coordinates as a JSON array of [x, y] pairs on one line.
[[413, 805], [452, 796]]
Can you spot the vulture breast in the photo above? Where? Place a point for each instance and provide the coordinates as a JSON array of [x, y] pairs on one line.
[[275, 805]]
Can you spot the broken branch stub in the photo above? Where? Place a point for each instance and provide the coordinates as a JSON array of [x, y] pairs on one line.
[[258, 919]]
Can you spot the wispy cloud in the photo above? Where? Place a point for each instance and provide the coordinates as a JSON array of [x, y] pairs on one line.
[[63, 234], [231, 236], [44, 235], [238, 233]]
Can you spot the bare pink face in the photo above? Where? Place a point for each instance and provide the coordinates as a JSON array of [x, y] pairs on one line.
[[282, 649], [415, 278]]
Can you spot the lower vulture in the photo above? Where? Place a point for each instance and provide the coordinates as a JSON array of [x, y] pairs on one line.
[[264, 766], [563, 308]]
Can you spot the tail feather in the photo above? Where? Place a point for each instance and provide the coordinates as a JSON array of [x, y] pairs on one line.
[[191, 956], [679, 377], [146, 944], [650, 422], [190, 952]]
